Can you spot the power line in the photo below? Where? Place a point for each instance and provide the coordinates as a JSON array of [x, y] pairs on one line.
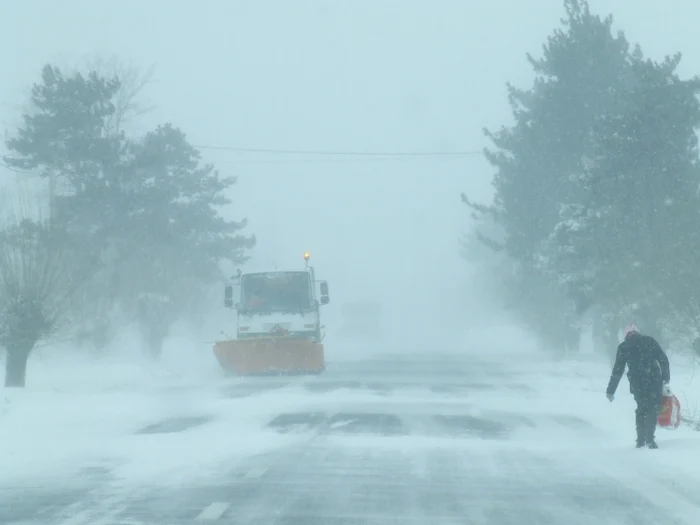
[[343, 153], [334, 160]]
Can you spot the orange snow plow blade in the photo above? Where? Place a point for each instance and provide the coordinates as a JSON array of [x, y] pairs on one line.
[[270, 356]]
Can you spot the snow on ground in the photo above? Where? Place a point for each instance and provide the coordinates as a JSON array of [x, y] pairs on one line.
[[572, 388], [78, 412], [577, 388]]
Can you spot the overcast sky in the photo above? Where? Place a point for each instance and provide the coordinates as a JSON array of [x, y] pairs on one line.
[[365, 75]]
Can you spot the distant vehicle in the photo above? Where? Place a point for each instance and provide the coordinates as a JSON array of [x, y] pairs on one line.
[[278, 323]]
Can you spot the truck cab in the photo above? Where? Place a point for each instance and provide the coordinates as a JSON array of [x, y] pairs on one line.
[[278, 303]]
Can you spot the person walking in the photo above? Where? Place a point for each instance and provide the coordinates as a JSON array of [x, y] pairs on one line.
[[648, 371]]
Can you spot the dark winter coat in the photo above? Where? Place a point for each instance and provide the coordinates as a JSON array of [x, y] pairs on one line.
[[647, 365]]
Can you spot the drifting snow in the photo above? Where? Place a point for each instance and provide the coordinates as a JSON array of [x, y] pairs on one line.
[[76, 414]]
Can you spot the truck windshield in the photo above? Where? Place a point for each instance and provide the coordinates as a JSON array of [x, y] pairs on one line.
[[288, 292]]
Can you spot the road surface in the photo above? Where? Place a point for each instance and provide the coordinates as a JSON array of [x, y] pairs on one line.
[[414, 450]]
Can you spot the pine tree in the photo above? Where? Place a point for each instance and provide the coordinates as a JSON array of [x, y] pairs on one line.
[[634, 226], [63, 135], [539, 160], [144, 215], [172, 229]]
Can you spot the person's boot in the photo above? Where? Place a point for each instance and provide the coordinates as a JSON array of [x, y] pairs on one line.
[[641, 433], [651, 442], [651, 430]]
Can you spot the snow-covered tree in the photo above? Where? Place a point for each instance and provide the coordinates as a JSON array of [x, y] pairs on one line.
[[632, 232], [597, 183], [538, 160]]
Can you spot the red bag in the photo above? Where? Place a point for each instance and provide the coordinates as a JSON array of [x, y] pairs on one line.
[[669, 412]]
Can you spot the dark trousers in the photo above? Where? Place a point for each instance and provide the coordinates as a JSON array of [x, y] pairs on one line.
[[648, 404]]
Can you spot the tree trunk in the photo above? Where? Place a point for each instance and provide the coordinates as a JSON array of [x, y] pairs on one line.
[[16, 368]]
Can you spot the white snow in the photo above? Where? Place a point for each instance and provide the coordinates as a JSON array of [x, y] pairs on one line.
[[78, 413]]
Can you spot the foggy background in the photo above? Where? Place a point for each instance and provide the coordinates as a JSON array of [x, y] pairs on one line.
[[367, 76], [455, 409]]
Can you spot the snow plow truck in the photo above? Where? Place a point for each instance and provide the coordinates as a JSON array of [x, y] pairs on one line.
[[278, 323]]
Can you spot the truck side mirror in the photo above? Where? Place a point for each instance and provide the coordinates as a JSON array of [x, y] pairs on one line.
[[324, 292], [228, 296]]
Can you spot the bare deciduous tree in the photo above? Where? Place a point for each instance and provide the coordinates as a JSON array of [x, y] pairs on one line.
[[37, 283]]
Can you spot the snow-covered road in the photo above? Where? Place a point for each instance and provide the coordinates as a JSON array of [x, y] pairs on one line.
[[421, 439]]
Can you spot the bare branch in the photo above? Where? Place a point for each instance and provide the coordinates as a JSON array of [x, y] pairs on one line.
[[134, 80], [38, 278]]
